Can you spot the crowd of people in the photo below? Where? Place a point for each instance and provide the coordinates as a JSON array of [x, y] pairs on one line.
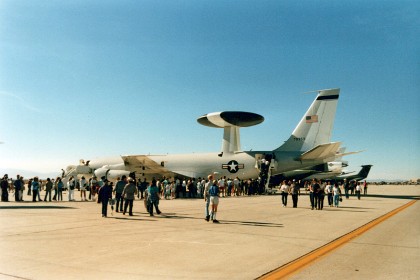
[[125, 190], [319, 189]]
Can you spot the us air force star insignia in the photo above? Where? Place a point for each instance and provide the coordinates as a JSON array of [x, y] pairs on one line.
[[233, 166]]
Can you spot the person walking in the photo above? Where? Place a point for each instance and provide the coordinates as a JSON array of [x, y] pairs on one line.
[[284, 190], [295, 191], [104, 195], [118, 190], [153, 198], [129, 192]]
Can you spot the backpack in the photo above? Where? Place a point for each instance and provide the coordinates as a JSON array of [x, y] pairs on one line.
[[213, 191]]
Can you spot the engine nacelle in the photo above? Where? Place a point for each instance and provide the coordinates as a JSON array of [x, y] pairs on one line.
[[113, 174], [110, 173]]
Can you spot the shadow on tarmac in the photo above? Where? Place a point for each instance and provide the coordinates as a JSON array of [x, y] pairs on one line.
[[36, 207], [174, 216], [410, 197]]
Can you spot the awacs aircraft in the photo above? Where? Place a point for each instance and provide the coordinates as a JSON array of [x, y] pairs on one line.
[[307, 146]]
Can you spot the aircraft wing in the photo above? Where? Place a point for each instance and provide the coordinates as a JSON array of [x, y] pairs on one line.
[[323, 151], [144, 165], [348, 153]]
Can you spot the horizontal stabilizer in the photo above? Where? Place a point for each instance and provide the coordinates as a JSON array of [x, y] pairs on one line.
[[322, 151]]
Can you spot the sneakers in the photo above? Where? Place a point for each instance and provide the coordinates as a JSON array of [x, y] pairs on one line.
[[207, 218], [216, 222]]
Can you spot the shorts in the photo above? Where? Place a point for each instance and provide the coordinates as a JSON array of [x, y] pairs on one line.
[[214, 200]]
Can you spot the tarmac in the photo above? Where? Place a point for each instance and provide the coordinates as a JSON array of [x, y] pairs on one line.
[[256, 235]]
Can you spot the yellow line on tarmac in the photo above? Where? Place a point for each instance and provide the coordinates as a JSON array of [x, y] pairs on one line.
[[309, 258]]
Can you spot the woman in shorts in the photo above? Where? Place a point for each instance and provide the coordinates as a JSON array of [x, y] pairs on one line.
[[214, 201]]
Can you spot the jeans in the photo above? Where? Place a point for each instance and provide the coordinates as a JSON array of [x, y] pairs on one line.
[[104, 206], [128, 204], [155, 203], [330, 199], [119, 199], [207, 206], [47, 193], [295, 200], [311, 198], [336, 199], [284, 198], [60, 194], [17, 191], [34, 195], [321, 201]]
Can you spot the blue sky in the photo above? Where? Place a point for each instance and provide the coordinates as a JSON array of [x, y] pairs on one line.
[[85, 79]]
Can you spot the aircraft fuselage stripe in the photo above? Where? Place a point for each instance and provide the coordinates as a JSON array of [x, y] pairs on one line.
[[328, 97]]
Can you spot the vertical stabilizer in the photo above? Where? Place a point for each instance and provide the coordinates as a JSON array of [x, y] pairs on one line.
[[364, 172], [316, 125]]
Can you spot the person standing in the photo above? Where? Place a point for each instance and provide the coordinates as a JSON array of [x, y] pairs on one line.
[[35, 189], [29, 186], [118, 190], [48, 188], [295, 191], [321, 196], [71, 184], [337, 194], [5, 188], [358, 190], [83, 185], [214, 201], [365, 187], [346, 188], [18, 184], [328, 191], [153, 198], [315, 189], [207, 196], [60, 186], [129, 193], [22, 189], [143, 188], [104, 194]]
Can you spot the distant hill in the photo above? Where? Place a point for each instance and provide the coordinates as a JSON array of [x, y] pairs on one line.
[[28, 173]]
